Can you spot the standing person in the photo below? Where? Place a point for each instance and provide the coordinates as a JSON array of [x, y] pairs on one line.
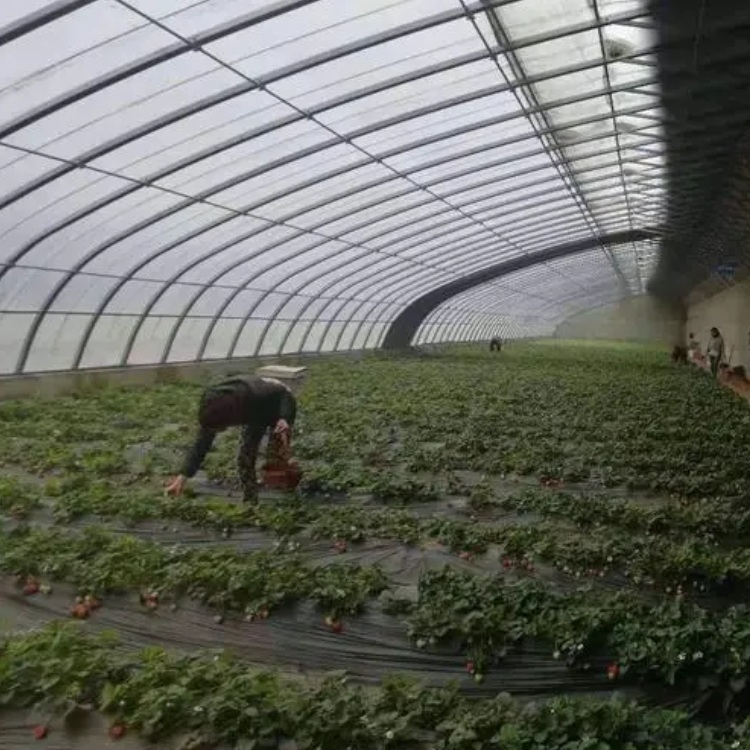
[[715, 350], [256, 405], [496, 345]]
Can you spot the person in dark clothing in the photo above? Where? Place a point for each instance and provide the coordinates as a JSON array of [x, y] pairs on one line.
[[496, 345], [715, 351], [252, 403]]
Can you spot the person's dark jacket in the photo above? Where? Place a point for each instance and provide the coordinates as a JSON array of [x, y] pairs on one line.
[[257, 403]]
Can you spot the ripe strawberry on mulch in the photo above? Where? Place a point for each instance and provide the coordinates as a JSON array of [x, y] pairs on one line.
[[116, 731], [150, 600], [80, 611], [40, 732], [334, 624]]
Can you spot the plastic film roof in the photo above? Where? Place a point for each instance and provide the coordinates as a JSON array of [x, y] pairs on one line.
[[189, 179]]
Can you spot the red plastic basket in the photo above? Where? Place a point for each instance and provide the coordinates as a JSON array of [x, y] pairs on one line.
[[281, 477]]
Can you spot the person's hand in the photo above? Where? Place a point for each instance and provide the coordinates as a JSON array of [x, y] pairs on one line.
[[282, 426], [176, 485]]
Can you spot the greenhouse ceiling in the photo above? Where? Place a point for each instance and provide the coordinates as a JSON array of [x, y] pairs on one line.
[[203, 179]]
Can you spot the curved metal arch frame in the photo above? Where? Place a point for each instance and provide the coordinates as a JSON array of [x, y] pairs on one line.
[[244, 285], [201, 197], [248, 281], [166, 284], [328, 270], [385, 277], [248, 317], [304, 339], [333, 318], [570, 305], [474, 323], [398, 288], [393, 281], [378, 257], [175, 278], [363, 131], [54, 11], [137, 184], [246, 87], [541, 239], [402, 329], [148, 61], [407, 286], [539, 121], [404, 285], [441, 315]]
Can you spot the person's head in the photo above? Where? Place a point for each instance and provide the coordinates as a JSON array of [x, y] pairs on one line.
[[714, 332], [217, 410]]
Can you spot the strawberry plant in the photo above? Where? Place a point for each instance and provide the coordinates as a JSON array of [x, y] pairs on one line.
[[555, 443], [215, 699]]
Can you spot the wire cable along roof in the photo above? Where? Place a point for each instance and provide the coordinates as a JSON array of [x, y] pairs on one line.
[[194, 179]]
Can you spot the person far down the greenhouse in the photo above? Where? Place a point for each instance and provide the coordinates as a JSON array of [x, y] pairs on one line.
[[256, 405]]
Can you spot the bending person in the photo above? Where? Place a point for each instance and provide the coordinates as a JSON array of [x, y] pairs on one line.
[[252, 403]]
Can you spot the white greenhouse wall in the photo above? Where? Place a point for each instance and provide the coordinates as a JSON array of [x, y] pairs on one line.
[[641, 318], [729, 311]]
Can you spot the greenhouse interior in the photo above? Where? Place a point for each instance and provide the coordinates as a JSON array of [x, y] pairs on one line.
[[468, 281]]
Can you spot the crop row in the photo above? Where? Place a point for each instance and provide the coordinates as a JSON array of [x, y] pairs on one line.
[[672, 641], [98, 562], [646, 558], [719, 518], [215, 700], [536, 415]]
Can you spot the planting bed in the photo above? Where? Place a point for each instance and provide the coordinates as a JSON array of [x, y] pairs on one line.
[[562, 523]]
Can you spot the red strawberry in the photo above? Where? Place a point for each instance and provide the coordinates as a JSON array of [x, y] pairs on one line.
[[40, 732], [471, 667], [613, 671], [81, 612], [31, 587], [116, 731], [507, 563], [337, 626]]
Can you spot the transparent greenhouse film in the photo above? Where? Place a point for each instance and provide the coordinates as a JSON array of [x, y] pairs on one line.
[[186, 165]]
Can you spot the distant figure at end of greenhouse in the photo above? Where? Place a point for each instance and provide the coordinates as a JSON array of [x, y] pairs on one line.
[[256, 405], [496, 345], [715, 350]]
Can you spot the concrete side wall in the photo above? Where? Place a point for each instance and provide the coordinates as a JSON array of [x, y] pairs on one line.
[[729, 311], [635, 319]]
